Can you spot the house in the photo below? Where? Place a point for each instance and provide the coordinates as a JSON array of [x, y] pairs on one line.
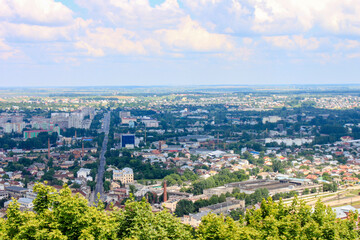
[[343, 212], [84, 173], [350, 179], [194, 219], [125, 175], [15, 191], [25, 203]]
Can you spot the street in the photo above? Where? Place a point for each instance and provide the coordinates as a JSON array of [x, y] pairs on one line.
[[99, 188]]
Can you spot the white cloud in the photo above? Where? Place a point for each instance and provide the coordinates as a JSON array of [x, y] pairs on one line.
[[233, 15], [279, 16], [293, 42], [190, 36], [238, 9], [222, 28], [41, 22], [35, 11], [134, 14], [196, 5], [187, 36], [247, 40], [27, 32], [347, 44], [335, 16], [353, 55], [92, 51], [107, 40], [6, 51], [5, 10]]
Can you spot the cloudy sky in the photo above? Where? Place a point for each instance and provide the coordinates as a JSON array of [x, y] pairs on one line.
[[179, 42]]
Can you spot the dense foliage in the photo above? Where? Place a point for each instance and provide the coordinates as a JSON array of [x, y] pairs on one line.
[[279, 221], [61, 215], [142, 170], [184, 207], [175, 178], [253, 198], [220, 179]]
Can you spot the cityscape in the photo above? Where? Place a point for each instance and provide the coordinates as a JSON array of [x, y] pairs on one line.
[[179, 120], [192, 153]]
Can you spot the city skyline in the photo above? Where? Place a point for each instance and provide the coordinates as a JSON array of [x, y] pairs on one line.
[[178, 42]]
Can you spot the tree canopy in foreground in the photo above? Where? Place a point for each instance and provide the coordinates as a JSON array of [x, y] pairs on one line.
[[61, 215]]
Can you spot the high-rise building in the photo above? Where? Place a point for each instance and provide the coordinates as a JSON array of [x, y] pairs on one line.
[[75, 120], [13, 127]]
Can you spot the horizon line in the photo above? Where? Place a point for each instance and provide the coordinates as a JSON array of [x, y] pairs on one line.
[[194, 85]]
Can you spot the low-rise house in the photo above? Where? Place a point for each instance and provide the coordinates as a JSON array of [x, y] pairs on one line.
[[25, 203], [225, 207], [84, 173], [344, 211], [194, 219]]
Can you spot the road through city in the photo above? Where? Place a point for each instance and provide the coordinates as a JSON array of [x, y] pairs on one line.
[[99, 188]]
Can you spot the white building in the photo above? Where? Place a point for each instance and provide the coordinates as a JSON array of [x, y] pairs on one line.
[[149, 122], [75, 120], [84, 173], [124, 114], [271, 119], [128, 120], [125, 175], [289, 141], [13, 127]]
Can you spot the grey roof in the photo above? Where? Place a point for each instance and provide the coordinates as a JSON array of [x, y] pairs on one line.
[[197, 137], [223, 204], [21, 200], [199, 215], [16, 189], [25, 200], [127, 171], [341, 211]]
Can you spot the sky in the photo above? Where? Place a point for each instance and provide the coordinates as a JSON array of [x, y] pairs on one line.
[[178, 42]]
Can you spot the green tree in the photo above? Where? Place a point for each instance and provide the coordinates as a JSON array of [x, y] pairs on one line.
[[329, 187], [326, 176], [184, 207], [107, 186], [280, 221], [218, 227], [137, 221], [132, 189], [91, 184], [306, 191], [5, 176], [75, 185], [63, 216], [237, 213]]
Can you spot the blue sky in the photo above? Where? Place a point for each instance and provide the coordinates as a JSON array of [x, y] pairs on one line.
[[178, 42]]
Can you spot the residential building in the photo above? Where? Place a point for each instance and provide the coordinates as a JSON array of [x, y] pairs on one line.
[[125, 175]]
